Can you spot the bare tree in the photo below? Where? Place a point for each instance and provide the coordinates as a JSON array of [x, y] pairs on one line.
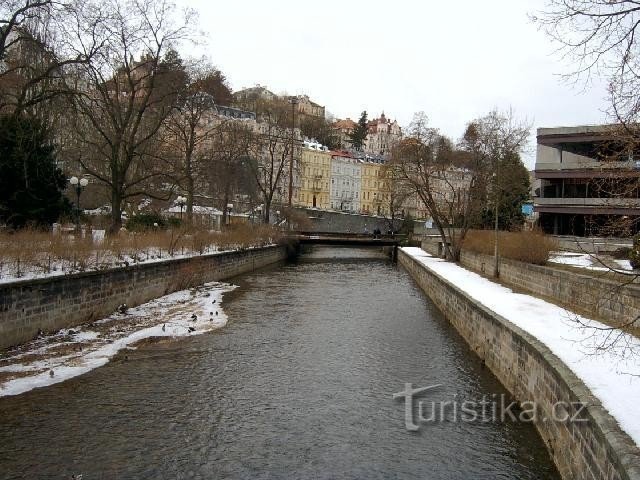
[[395, 195], [425, 161], [192, 125], [36, 50], [223, 162], [491, 143], [121, 102], [453, 182], [271, 153]]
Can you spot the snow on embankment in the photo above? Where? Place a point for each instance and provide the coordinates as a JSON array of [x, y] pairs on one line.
[[71, 352], [612, 375]]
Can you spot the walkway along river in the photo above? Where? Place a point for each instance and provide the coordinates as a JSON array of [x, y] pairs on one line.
[[298, 384]]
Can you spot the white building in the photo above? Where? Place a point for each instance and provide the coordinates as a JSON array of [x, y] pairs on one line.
[[346, 182], [383, 134]]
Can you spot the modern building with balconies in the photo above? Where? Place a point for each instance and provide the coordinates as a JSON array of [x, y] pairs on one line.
[[589, 181]]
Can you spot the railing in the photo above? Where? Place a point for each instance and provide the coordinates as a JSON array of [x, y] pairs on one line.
[[589, 202]]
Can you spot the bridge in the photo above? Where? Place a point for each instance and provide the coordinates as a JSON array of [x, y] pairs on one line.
[[349, 240]]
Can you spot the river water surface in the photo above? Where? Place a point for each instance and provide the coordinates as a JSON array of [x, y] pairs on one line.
[[298, 384]]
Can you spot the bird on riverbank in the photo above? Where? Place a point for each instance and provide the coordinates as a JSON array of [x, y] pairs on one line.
[[51, 374], [194, 317], [164, 328], [192, 329], [213, 303]]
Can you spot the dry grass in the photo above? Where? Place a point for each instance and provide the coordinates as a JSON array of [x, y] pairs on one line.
[[529, 247], [28, 253]]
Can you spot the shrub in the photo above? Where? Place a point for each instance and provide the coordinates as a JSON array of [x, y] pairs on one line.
[[634, 253], [529, 247], [173, 222], [622, 253], [31, 251], [145, 221]]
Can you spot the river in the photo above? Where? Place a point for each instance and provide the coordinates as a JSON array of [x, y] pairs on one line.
[[298, 384]]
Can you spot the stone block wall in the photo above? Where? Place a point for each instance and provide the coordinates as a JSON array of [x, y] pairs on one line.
[[594, 449], [608, 298], [50, 304]]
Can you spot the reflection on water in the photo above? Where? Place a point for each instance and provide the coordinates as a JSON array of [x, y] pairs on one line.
[[299, 384]]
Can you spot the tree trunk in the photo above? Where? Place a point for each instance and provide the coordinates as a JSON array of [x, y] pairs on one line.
[[189, 199], [190, 186], [116, 208], [225, 211], [267, 210]]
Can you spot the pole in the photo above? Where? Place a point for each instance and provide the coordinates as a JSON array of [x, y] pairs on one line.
[[294, 101], [496, 258], [78, 191]]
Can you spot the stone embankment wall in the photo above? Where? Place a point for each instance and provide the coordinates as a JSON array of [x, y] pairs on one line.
[[594, 449], [602, 294], [50, 304]]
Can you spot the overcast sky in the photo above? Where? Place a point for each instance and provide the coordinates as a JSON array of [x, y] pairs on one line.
[[454, 60]]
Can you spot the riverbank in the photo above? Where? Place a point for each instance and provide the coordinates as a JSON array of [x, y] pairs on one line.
[[68, 353], [30, 307], [540, 353]]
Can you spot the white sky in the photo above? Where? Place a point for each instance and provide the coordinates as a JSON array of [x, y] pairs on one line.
[[454, 60]]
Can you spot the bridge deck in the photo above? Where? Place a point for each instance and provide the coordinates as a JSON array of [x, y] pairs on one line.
[[347, 240]]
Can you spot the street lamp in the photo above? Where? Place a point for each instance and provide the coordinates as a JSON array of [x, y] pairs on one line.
[[293, 101], [229, 208], [277, 216], [259, 210], [181, 202], [78, 185]]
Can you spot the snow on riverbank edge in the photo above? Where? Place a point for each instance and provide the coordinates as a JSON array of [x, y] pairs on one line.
[[613, 376], [84, 348]]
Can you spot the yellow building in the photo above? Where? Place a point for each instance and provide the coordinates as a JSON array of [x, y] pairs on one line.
[[314, 177], [372, 187]]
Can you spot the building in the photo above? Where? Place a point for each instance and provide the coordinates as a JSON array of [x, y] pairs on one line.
[[372, 188], [252, 95], [343, 128], [346, 178], [306, 107], [234, 113], [314, 176], [383, 134], [589, 182]]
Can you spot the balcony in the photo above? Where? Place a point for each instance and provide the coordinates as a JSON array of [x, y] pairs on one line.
[[589, 206], [590, 202]]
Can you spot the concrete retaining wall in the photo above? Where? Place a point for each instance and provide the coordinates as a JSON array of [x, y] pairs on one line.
[[50, 304], [595, 449]]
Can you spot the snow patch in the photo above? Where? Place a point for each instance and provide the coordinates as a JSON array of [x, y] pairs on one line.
[[612, 375], [72, 352]]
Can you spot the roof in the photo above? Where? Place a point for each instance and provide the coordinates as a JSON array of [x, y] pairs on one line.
[[341, 153], [346, 124]]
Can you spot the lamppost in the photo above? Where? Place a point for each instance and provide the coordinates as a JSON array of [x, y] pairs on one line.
[[229, 208], [78, 185], [293, 101], [259, 210], [181, 202], [277, 216]]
